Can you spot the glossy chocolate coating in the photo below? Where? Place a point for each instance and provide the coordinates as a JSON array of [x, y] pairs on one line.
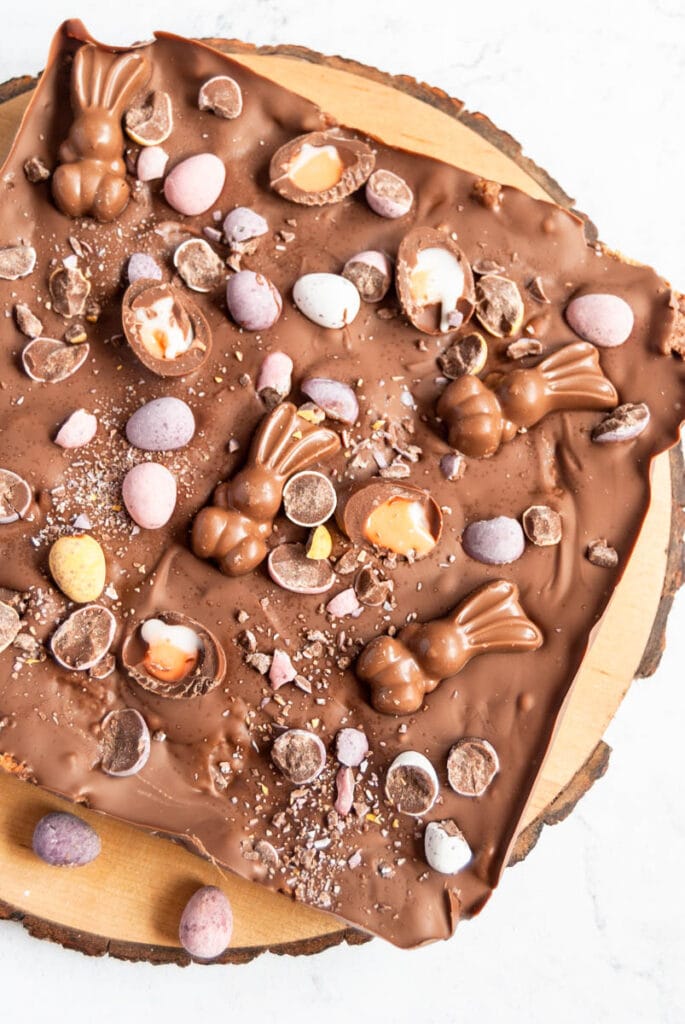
[[513, 702], [401, 670]]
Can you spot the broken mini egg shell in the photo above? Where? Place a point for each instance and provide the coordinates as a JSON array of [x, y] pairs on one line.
[[446, 849], [172, 655], [411, 783], [394, 517], [434, 281], [320, 168], [167, 331], [328, 300]]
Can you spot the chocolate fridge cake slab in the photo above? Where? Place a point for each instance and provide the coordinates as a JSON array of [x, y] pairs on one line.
[[319, 463]]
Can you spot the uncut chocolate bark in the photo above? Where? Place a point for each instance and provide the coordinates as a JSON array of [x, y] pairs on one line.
[[486, 431]]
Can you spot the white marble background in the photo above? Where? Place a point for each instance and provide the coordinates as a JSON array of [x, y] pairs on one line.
[[591, 927]]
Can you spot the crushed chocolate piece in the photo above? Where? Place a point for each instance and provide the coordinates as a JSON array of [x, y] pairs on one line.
[[537, 290], [309, 498], [36, 170], [468, 354], [411, 783], [103, 668], [600, 553], [15, 497], [299, 755], [371, 273], [16, 261], [471, 766], [151, 122], [487, 193], [499, 306], [542, 525], [27, 322], [125, 743], [69, 290], [75, 333], [453, 465], [625, 423], [524, 347], [199, 266], [371, 587], [50, 361], [84, 639], [221, 95], [10, 624]]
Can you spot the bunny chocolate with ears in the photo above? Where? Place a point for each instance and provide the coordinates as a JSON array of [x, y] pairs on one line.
[[91, 178], [234, 529]]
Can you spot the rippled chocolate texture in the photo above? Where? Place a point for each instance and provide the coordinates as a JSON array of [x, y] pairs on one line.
[[209, 778]]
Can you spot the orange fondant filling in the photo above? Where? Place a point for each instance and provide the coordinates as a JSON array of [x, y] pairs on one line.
[[167, 662], [400, 525], [322, 170]]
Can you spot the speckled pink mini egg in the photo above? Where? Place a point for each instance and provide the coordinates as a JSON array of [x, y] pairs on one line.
[[195, 184], [605, 320], [253, 301], [149, 493]]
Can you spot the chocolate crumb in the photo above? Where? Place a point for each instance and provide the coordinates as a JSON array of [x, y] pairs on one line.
[[600, 553], [542, 525], [36, 170], [524, 347]]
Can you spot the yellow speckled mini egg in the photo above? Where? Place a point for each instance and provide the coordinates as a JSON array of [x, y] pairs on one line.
[[78, 567]]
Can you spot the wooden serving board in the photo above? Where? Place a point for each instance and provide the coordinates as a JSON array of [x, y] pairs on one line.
[[128, 902]]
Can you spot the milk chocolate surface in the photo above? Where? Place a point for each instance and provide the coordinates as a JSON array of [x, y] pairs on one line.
[[210, 778]]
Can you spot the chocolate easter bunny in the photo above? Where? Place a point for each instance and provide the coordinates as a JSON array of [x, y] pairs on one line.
[[401, 670], [91, 178], [480, 417], [234, 529]]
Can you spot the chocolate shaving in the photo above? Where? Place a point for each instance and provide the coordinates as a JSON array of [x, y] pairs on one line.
[[537, 290], [371, 587]]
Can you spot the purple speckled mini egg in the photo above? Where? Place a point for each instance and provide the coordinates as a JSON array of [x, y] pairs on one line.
[[63, 840], [497, 541], [162, 425]]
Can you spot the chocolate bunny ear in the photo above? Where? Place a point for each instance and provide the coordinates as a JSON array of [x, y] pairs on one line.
[[492, 620], [574, 378], [277, 448], [105, 80]]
